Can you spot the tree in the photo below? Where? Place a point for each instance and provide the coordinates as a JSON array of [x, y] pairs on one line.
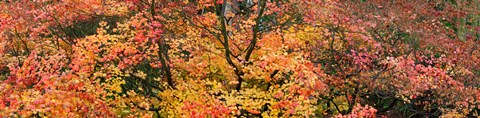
[[238, 58]]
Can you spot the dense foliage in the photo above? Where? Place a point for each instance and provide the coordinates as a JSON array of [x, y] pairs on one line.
[[239, 58]]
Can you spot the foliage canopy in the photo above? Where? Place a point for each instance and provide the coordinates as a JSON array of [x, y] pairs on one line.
[[239, 58]]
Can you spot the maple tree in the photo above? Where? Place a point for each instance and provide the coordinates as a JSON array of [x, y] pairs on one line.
[[239, 58]]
